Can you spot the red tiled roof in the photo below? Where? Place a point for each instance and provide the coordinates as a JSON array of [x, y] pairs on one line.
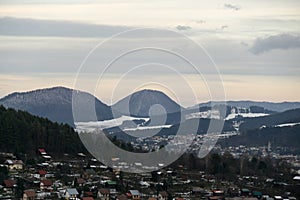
[[46, 182], [42, 150], [9, 183], [42, 172], [104, 191], [29, 193], [88, 193], [128, 194]]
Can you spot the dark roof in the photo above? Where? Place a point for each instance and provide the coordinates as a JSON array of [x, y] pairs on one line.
[[88, 193], [80, 180], [122, 197], [87, 198]]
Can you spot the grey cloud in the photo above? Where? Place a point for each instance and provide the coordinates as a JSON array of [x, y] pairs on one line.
[[200, 21], [224, 27], [22, 2], [183, 28], [283, 41], [232, 6], [33, 27]]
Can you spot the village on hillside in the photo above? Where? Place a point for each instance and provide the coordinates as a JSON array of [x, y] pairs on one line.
[[83, 177]]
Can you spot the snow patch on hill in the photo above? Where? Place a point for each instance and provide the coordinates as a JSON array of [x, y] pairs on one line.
[[93, 125]]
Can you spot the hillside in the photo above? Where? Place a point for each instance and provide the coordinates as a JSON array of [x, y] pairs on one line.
[[20, 132], [278, 137], [290, 116]]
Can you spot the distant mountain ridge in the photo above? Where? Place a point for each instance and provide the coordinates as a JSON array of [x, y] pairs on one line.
[[278, 107], [56, 104]]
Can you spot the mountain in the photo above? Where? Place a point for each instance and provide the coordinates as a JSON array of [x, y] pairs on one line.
[[21, 132], [278, 107], [54, 103], [139, 104]]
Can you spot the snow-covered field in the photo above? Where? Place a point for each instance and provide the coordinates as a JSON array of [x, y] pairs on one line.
[[140, 128], [245, 115], [210, 114], [287, 124]]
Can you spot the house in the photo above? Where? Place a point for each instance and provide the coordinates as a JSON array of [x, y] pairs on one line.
[[134, 194], [296, 178], [78, 182], [46, 184], [163, 195], [103, 194], [122, 197], [29, 195], [245, 192], [218, 193], [197, 191], [88, 194], [42, 173], [112, 193], [87, 198], [257, 194], [9, 186], [111, 184], [71, 193], [42, 151], [14, 164]]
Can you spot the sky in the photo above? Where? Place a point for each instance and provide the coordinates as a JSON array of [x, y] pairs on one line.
[[242, 50]]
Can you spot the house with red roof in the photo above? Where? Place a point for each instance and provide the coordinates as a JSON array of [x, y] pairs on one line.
[[29, 194], [103, 194], [46, 184], [9, 186]]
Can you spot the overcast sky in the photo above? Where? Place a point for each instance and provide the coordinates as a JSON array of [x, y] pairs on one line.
[[255, 45]]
